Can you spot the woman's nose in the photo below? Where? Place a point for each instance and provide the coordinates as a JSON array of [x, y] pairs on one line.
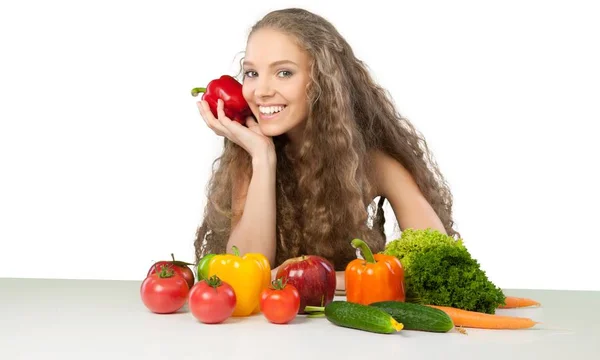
[[264, 88]]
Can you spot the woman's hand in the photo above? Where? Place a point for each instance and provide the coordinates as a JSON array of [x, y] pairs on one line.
[[250, 138]]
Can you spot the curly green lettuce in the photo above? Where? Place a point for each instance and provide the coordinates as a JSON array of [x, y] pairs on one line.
[[439, 270]]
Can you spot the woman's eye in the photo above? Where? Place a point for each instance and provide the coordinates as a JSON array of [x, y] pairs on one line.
[[285, 73], [250, 73]]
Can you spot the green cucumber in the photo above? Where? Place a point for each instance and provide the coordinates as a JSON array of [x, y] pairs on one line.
[[415, 316], [361, 317]]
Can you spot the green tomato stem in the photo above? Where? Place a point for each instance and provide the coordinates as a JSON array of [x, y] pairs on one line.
[[166, 272], [278, 284], [179, 262], [213, 281]]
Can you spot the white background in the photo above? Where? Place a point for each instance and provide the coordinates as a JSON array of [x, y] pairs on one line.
[[104, 158]]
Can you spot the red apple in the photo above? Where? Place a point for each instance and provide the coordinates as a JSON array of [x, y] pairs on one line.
[[180, 268], [313, 276]]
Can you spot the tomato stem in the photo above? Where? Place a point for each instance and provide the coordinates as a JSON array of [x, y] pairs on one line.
[[179, 262], [213, 281], [166, 271], [278, 284]]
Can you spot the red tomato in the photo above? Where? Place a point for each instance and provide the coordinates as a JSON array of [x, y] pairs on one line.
[[179, 267], [280, 302], [212, 300], [164, 292]]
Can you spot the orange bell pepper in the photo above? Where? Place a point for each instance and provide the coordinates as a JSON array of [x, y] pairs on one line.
[[248, 275], [378, 277]]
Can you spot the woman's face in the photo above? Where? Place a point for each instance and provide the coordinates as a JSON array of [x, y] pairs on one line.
[[276, 75]]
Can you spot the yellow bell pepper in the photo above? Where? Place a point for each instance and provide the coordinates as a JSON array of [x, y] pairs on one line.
[[248, 275]]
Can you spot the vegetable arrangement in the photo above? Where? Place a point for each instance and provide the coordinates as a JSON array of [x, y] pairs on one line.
[[423, 281], [228, 285]]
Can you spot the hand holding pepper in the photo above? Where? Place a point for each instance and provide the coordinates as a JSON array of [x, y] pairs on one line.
[[224, 108], [229, 90], [249, 137]]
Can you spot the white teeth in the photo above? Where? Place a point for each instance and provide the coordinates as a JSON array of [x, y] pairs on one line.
[[268, 110]]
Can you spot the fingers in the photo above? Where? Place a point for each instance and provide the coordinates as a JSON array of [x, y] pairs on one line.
[[228, 123], [234, 131], [222, 118], [221, 111], [232, 126], [214, 124], [252, 124], [202, 114]]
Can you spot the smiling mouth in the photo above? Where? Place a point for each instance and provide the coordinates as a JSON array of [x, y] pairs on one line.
[[270, 110]]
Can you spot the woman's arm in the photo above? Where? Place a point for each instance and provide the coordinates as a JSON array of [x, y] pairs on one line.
[[340, 280], [253, 206], [396, 184], [253, 200]]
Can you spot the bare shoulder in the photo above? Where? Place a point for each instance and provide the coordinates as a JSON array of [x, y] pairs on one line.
[[394, 181], [388, 170]]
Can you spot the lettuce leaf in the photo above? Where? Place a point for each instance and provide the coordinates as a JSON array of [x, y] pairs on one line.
[[439, 270]]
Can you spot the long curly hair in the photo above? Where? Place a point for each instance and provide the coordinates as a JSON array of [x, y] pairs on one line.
[[323, 190]]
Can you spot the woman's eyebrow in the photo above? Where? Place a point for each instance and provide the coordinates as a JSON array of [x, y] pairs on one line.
[[273, 64]]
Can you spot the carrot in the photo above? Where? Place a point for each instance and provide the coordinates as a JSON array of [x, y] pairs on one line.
[[473, 319], [518, 302]]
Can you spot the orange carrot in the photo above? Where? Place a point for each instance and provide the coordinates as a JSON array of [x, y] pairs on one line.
[[518, 302], [473, 319]]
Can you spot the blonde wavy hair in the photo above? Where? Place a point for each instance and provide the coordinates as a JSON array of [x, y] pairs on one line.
[[323, 189]]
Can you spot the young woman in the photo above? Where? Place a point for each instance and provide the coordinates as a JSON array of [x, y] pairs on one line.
[[324, 143]]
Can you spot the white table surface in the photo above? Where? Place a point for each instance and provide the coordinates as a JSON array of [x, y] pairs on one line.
[[97, 319]]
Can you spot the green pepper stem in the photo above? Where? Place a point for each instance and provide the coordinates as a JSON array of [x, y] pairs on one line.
[[236, 251], [198, 90], [364, 249]]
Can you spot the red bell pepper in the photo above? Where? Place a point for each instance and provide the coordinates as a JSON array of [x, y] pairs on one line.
[[229, 90]]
